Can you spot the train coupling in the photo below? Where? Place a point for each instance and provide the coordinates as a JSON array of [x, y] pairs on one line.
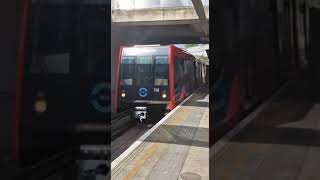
[[140, 113], [93, 162]]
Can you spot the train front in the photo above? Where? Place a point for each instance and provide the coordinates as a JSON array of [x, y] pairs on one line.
[[143, 81]]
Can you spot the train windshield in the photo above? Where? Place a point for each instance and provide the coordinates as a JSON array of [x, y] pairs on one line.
[[67, 38], [145, 70], [161, 71]]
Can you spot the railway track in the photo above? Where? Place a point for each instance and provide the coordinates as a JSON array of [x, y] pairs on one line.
[[120, 123], [123, 122]]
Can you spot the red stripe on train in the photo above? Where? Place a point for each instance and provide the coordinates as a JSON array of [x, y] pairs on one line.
[[20, 76], [171, 76], [234, 102], [117, 81]]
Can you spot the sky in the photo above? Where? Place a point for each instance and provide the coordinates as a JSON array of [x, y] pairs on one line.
[[180, 45]]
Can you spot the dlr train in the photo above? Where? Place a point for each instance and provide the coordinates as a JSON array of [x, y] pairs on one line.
[[55, 53], [253, 59], [156, 79]]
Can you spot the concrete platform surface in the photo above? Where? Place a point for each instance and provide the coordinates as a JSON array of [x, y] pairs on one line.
[[122, 143], [176, 149], [281, 143]]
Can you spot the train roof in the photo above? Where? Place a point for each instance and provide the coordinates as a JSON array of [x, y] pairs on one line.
[[145, 50], [149, 50]]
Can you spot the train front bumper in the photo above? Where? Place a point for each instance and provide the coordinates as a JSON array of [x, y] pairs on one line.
[[140, 113]]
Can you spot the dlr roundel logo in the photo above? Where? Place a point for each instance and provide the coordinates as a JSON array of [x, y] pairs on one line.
[[143, 92], [99, 97]]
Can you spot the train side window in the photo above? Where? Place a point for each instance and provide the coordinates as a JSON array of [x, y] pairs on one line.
[[178, 71], [185, 67]]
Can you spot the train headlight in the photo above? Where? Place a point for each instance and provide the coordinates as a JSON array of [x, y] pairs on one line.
[[123, 94], [164, 95], [40, 106]]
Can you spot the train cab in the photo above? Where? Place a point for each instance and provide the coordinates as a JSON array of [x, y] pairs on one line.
[[155, 79], [144, 79]]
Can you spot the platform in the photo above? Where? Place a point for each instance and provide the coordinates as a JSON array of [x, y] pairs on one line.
[[282, 142], [175, 148]]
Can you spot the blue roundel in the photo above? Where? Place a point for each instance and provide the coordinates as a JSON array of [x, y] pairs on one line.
[[99, 97], [143, 92]]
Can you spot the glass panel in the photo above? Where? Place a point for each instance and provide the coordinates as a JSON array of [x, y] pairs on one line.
[[61, 32], [161, 71], [126, 82], [58, 63], [144, 60], [50, 39], [144, 71], [97, 32], [161, 60], [127, 60]]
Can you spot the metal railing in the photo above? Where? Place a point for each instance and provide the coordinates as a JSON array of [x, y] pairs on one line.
[[143, 4]]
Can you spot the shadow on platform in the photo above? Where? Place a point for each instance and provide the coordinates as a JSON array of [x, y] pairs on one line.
[[182, 135]]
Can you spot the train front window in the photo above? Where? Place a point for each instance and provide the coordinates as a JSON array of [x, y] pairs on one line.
[[67, 38], [144, 71], [127, 69], [161, 71], [50, 39]]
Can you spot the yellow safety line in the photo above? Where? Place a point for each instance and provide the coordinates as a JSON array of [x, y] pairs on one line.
[[141, 162]]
